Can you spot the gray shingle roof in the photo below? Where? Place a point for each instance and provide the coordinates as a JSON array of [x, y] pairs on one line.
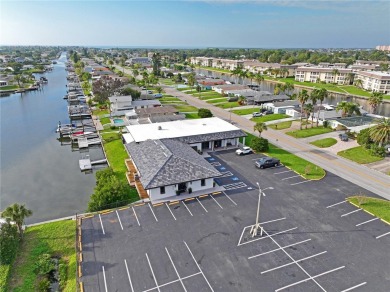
[[167, 162], [211, 137]]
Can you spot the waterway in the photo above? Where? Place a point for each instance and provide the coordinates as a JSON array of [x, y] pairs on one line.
[[35, 169], [383, 109]]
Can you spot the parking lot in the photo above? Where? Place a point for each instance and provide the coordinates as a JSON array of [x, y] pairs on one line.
[[312, 239]]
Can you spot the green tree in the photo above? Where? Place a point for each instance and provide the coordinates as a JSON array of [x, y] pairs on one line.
[[348, 108], [259, 144], [156, 61], [321, 94], [374, 100], [191, 79], [204, 113], [260, 127], [380, 133], [258, 78], [9, 242], [159, 89], [302, 97], [358, 83], [17, 213], [364, 138], [349, 78], [18, 78], [308, 108]]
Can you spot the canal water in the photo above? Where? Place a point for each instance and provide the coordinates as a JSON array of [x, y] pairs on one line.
[[383, 109], [35, 169]]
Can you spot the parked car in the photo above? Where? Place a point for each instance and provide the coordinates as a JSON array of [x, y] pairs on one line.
[[244, 150], [343, 137], [257, 114], [150, 92], [157, 95], [265, 162], [268, 112]]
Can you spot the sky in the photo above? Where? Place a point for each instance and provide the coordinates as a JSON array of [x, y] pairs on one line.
[[197, 23]]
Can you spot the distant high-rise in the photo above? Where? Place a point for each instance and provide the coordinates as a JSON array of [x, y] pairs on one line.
[[383, 48]]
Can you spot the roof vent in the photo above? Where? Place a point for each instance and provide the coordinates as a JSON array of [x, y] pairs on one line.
[[159, 128], [204, 124]]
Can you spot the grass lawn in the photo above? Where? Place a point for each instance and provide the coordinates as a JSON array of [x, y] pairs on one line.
[[9, 87], [246, 111], [309, 132], [211, 97], [116, 155], [4, 274], [324, 143], [104, 121], [299, 165], [216, 100], [56, 239], [280, 126], [378, 207], [100, 112], [166, 81], [268, 118], [359, 154], [228, 105], [169, 99], [186, 108], [216, 69], [192, 116]]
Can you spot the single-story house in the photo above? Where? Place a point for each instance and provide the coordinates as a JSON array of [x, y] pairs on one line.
[[201, 134], [211, 82], [167, 168], [156, 111], [354, 124], [119, 105], [3, 83], [222, 89], [281, 107]]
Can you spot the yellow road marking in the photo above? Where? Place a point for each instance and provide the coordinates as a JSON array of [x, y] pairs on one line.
[[139, 205], [354, 204], [106, 212], [217, 193], [124, 208], [159, 204], [385, 221], [80, 274], [81, 287], [189, 199], [174, 203], [369, 212], [86, 217], [202, 196], [81, 257]]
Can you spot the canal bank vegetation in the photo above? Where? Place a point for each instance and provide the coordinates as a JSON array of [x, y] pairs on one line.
[[301, 166], [46, 248]]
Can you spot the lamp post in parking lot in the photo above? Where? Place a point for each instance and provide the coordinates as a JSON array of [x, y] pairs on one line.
[[255, 227]]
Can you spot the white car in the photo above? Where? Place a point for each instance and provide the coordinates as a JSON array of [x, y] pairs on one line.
[[244, 150], [257, 114]]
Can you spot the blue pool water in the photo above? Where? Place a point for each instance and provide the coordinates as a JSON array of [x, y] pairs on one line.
[[118, 121]]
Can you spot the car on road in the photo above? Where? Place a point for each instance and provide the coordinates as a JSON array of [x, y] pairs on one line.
[[257, 114], [343, 137], [265, 162], [244, 150]]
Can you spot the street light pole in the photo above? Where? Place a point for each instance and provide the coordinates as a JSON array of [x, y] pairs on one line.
[[255, 227]]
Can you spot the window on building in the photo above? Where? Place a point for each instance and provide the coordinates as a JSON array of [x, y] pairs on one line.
[[162, 190], [203, 182]]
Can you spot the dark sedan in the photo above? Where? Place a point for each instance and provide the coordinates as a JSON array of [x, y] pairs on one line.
[[265, 162]]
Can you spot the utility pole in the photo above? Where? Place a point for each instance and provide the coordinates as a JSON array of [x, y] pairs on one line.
[[255, 227]]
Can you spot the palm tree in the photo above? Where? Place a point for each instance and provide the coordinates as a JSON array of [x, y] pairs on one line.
[[159, 89], [308, 108], [278, 88], [380, 133], [375, 99], [302, 97], [321, 95], [335, 72], [358, 83], [288, 87], [236, 73], [243, 75], [349, 78], [258, 77], [17, 213], [284, 72], [348, 108], [313, 98], [260, 127], [18, 79], [250, 75]]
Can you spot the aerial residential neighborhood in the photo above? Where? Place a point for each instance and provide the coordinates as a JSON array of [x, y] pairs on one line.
[[195, 146]]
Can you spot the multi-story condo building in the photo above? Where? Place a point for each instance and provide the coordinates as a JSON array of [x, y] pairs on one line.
[[383, 48], [326, 74], [374, 81], [217, 63]]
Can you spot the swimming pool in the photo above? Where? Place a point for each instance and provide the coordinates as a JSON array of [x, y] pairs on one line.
[[118, 121]]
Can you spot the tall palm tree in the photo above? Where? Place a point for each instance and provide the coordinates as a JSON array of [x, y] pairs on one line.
[[18, 79], [278, 88], [244, 74], [380, 133], [348, 108], [302, 97], [17, 213], [335, 72], [260, 127], [321, 95], [358, 83], [308, 108], [349, 78], [288, 87], [250, 75], [284, 72], [375, 99], [313, 98], [236, 73], [258, 77]]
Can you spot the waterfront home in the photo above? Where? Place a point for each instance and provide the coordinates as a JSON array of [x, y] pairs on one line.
[[317, 74], [120, 105], [3, 83], [163, 169], [222, 89], [353, 124], [282, 107], [374, 81]]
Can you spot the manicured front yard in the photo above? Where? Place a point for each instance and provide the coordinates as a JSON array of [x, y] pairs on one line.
[[192, 116], [304, 133], [56, 239], [104, 121], [324, 143], [246, 111], [228, 105], [186, 108], [301, 166], [359, 154], [281, 125], [268, 118], [378, 207], [9, 87], [217, 100], [100, 112]]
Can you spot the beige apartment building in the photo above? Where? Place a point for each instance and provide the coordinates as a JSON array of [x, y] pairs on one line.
[[318, 74], [374, 81], [227, 64]]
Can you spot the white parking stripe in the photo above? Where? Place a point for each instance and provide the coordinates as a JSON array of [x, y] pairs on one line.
[[302, 182], [269, 236], [177, 273], [276, 249], [101, 223], [128, 275], [166, 204], [104, 278], [229, 198], [151, 209], [293, 262], [336, 204], [283, 171], [310, 278], [290, 177], [367, 221], [120, 222], [359, 285], [382, 235], [136, 217], [346, 214], [202, 205], [216, 201], [171, 282], [154, 277], [198, 266], [187, 208]]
